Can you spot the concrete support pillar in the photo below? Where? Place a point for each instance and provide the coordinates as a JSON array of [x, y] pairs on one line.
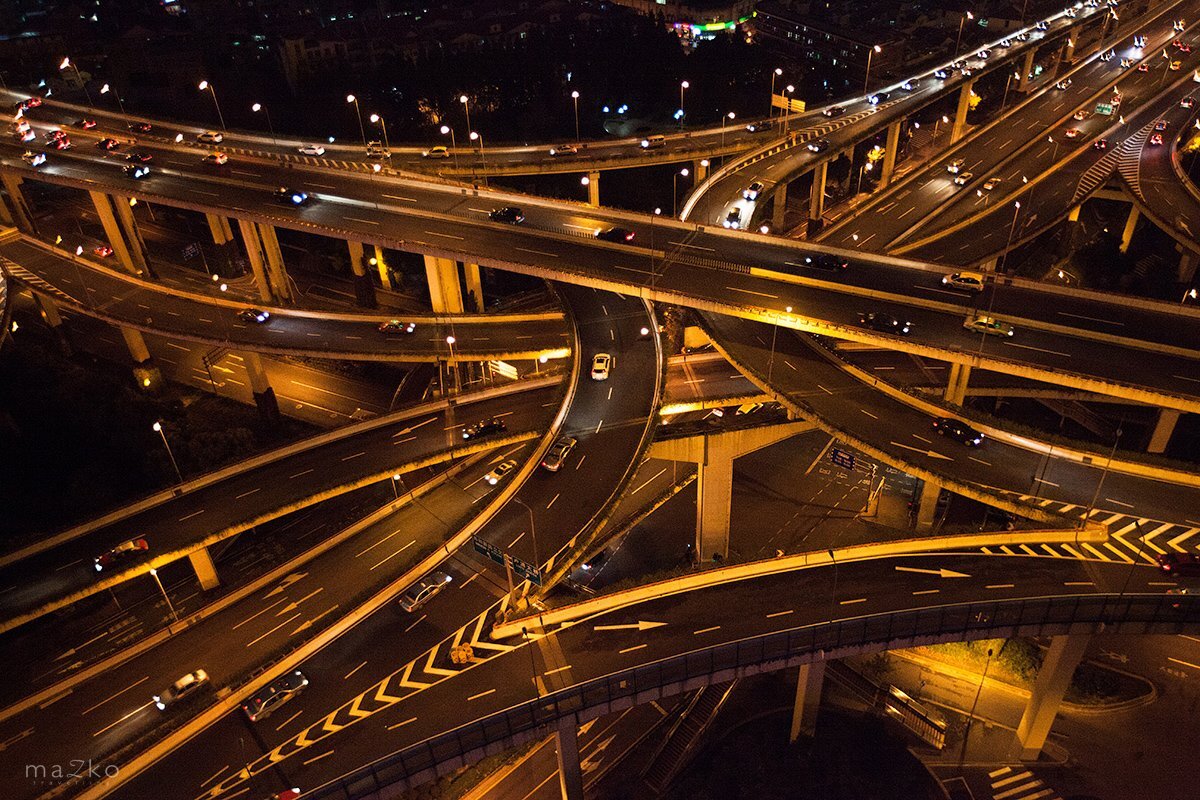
[[364, 289], [570, 776], [254, 253], [808, 700], [18, 209], [700, 169], [1161, 437], [1068, 50], [594, 189], [889, 153], [1073, 214], [264, 396], [960, 113], [474, 287], [206, 573], [112, 230], [1187, 267], [380, 263], [779, 216], [133, 236], [144, 370], [1130, 226], [956, 385], [1052, 681], [219, 227], [281, 287], [714, 500], [445, 290], [48, 310], [1026, 69], [816, 199], [927, 505]]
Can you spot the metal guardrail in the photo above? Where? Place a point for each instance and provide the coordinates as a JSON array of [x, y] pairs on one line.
[[1138, 614]]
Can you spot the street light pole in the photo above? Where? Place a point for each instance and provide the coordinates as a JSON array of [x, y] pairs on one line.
[[537, 560], [462, 98], [774, 333], [787, 112], [375, 118], [1189, 293], [453, 147], [961, 22], [482, 157], [675, 191], [260, 107], [358, 114], [451, 364], [730, 116], [159, 429], [67, 62], [962, 756], [867, 80], [775, 74], [206, 86], [166, 596], [575, 97], [1011, 229], [105, 89], [683, 85]]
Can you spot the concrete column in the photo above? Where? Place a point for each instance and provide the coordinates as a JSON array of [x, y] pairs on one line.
[[714, 500], [1130, 226], [281, 287], [594, 189], [1073, 214], [1068, 50], [48, 310], [889, 153], [264, 396], [144, 370], [1187, 267], [808, 700], [257, 261], [927, 505], [960, 113], [112, 230], [380, 263], [570, 776], [1052, 681], [816, 198], [1026, 68], [17, 207], [445, 291], [219, 227], [1167, 417], [779, 217], [956, 385], [474, 283], [206, 573], [137, 247], [364, 289], [700, 169]]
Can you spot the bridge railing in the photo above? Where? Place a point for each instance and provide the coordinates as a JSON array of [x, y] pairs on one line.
[[444, 753]]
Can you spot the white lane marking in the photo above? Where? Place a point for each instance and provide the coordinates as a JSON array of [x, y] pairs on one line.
[[536, 252], [398, 197], [116, 695], [780, 613], [365, 222], [401, 724], [193, 514], [445, 235], [1090, 319], [481, 694], [851, 602], [1039, 349], [631, 649], [356, 669], [706, 630], [555, 671], [980, 460], [751, 291]]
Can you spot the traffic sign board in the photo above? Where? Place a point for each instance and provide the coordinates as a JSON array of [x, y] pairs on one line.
[[843, 458]]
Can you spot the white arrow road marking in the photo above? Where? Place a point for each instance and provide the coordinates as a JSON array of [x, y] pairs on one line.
[[929, 453], [412, 428], [309, 623], [640, 625], [941, 573], [287, 581]]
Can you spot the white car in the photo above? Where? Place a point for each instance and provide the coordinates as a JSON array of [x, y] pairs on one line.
[[211, 137], [500, 472], [971, 281], [989, 326], [564, 150], [180, 689], [312, 150], [216, 158], [601, 364], [34, 159], [423, 591]]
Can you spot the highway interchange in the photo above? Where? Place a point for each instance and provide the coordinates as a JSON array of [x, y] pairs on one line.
[[1144, 347]]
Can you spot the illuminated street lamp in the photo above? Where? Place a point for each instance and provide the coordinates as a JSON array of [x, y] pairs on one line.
[[158, 428], [683, 85], [774, 74], [675, 190], [575, 97], [482, 158], [787, 112], [1190, 294], [67, 62], [105, 89], [358, 114], [867, 80], [378, 120], [462, 98], [161, 588], [730, 116], [958, 41], [451, 364], [260, 107], [205, 86], [453, 147]]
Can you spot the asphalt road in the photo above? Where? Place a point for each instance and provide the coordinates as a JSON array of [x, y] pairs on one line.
[[694, 621], [249, 496]]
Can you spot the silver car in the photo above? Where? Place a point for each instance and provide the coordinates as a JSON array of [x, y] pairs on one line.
[[423, 591]]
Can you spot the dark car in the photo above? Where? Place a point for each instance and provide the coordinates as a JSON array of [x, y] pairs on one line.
[[140, 127], [825, 261], [1180, 564], [556, 456], [256, 315], [108, 143], [878, 98], [620, 235], [958, 430], [485, 427], [138, 157], [122, 552], [135, 171], [397, 326], [510, 214], [762, 126], [274, 695], [294, 197], [885, 323], [834, 111], [818, 145]]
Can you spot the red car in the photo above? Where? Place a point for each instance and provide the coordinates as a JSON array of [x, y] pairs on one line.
[[140, 127], [62, 143], [1156, 139], [55, 135], [1072, 133], [108, 143], [122, 552], [33, 102], [1100, 144], [104, 251], [86, 124], [1180, 564]]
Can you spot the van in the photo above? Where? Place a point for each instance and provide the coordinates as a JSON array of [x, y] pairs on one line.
[[654, 142]]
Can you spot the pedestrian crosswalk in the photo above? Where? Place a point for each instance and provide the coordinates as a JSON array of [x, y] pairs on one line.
[[1018, 783], [1131, 539], [1129, 160]]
